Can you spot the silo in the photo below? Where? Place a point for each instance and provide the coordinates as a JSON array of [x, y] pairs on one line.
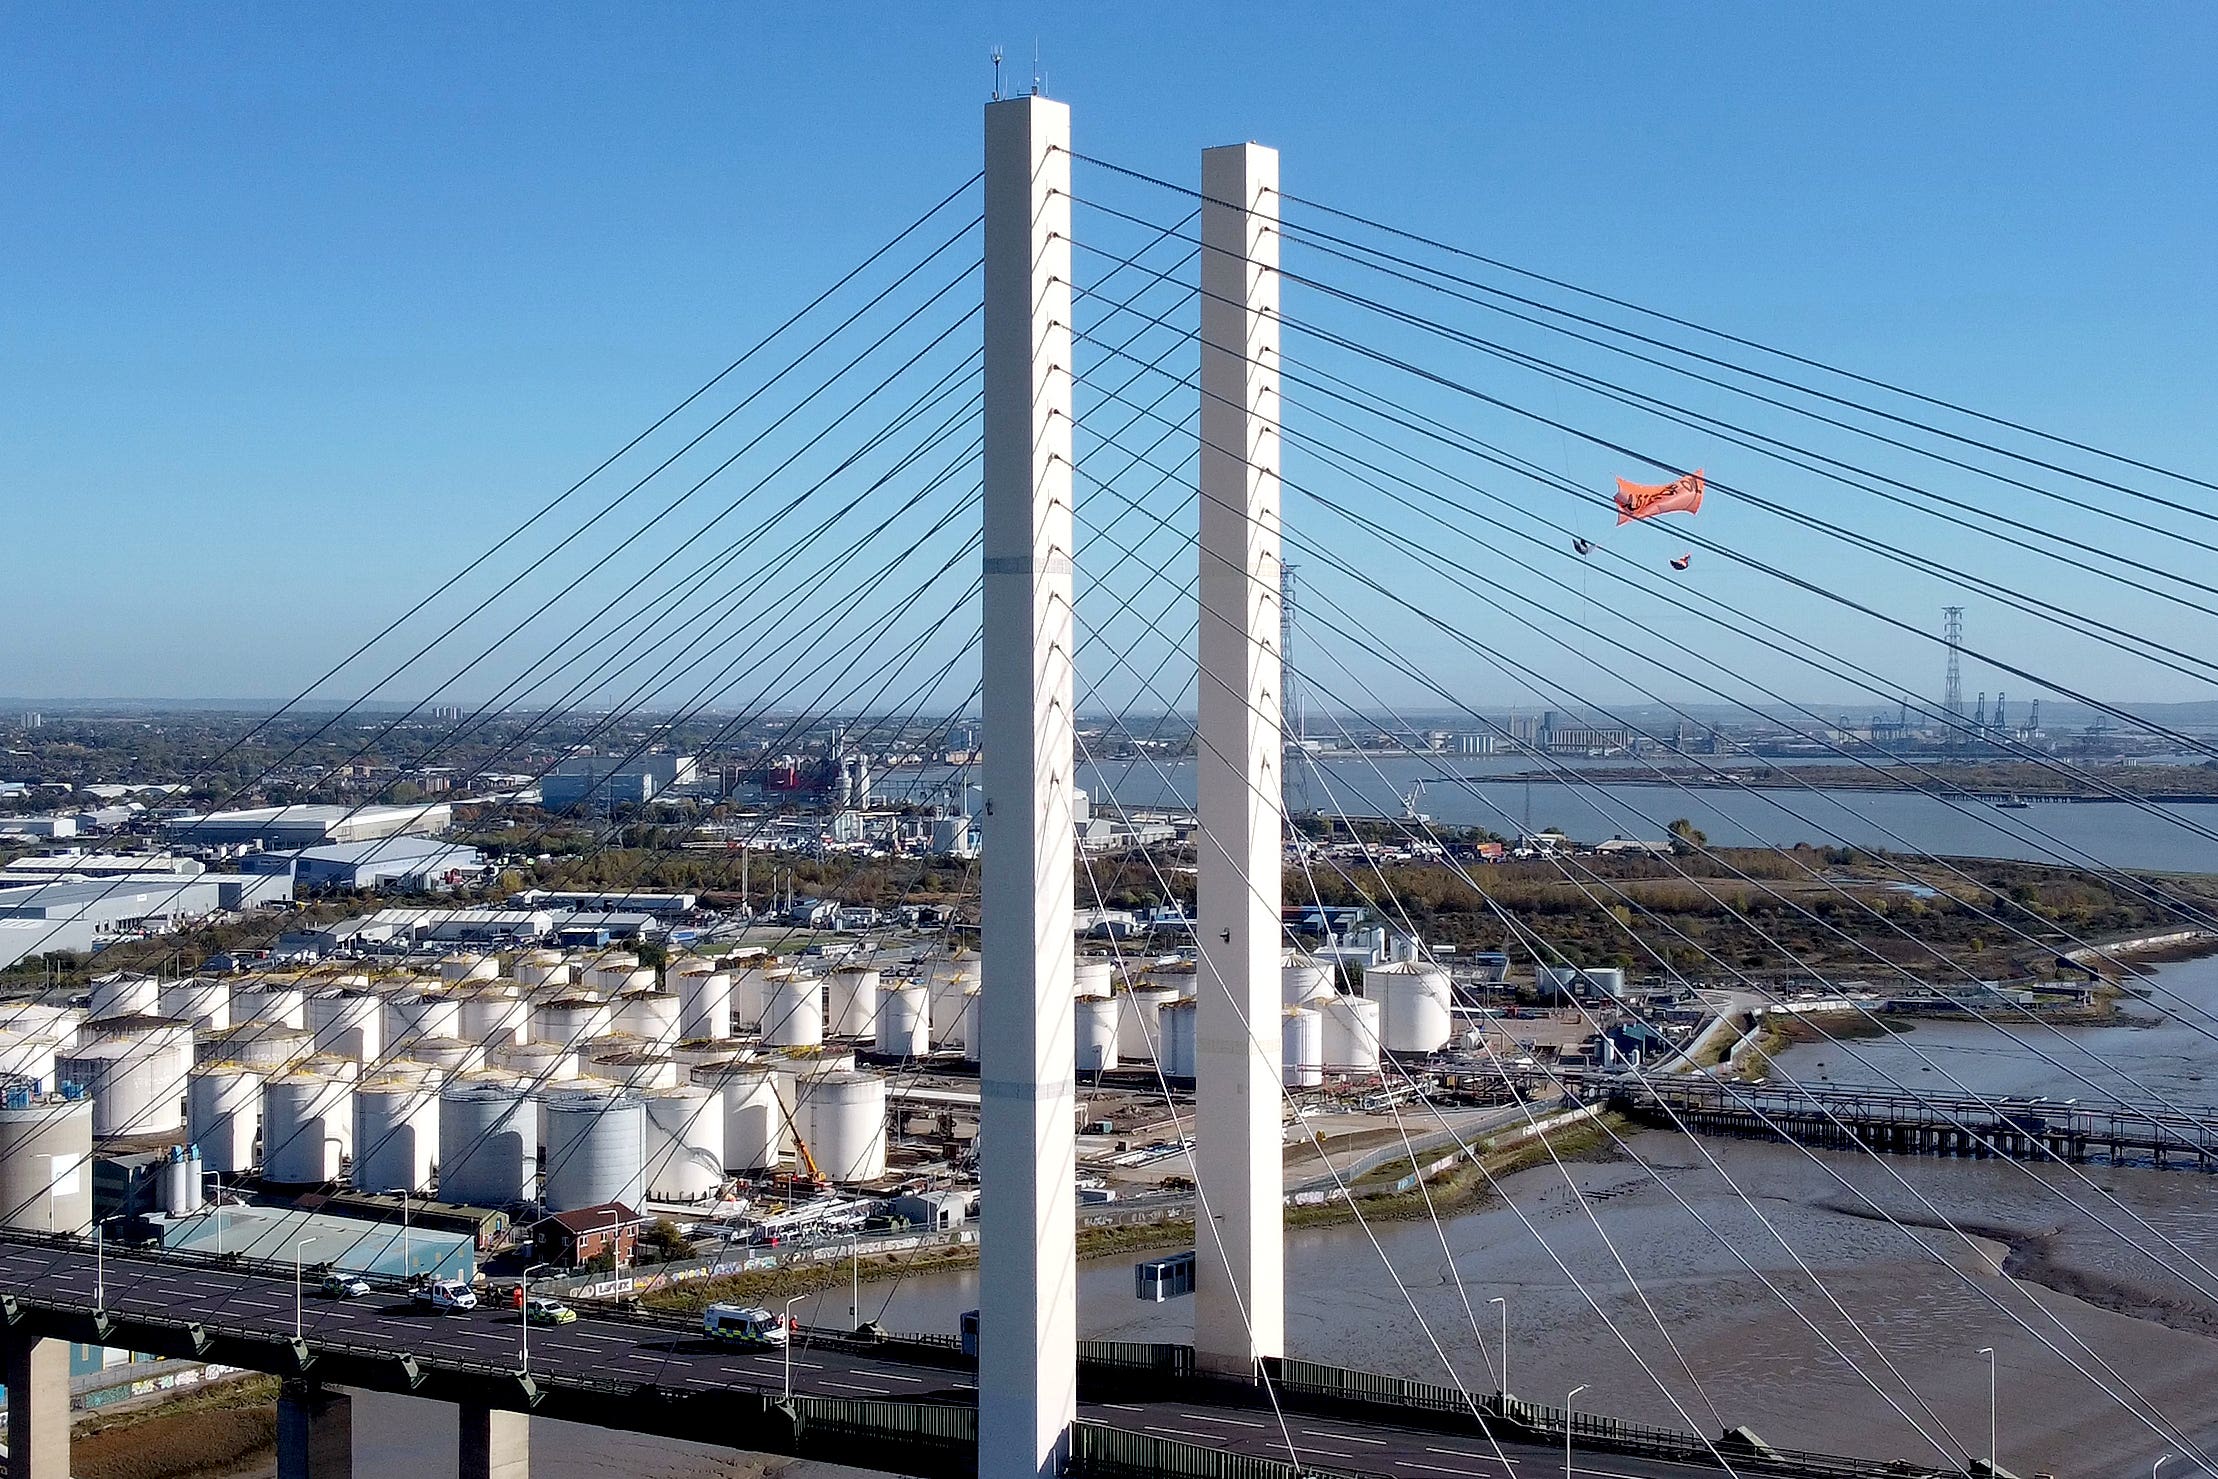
[[25, 1059], [754, 1114], [629, 1065], [496, 1015], [1180, 976], [947, 988], [967, 1033], [258, 1044], [543, 968], [750, 988], [1096, 1031], [201, 1001], [843, 1119], [458, 968], [1415, 1006], [307, 1126], [124, 994], [1302, 1048], [1351, 1033], [538, 1062], [904, 1021], [1093, 975], [488, 1141], [396, 1132], [135, 1072], [958, 966], [651, 1015], [275, 1003], [685, 1143], [1140, 1030], [223, 1110], [46, 1165], [615, 971], [793, 1012], [851, 1003], [1179, 1023], [1303, 979], [448, 1056], [688, 1054], [596, 1149], [570, 1020], [348, 1024], [181, 1171], [412, 1016], [64, 1024], [704, 1001]]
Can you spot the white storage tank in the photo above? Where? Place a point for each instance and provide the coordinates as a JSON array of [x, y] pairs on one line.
[[199, 1001], [793, 1011], [347, 1024], [135, 1073], [851, 1003], [458, 968], [124, 994], [632, 1066], [543, 968], [538, 1062], [704, 1000], [1096, 1032], [1181, 976], [25, 1059], [1416, 1006], [1093, 975], [596, 1149], [572, 1021], [488, 1141], [968, 1033], [1351, 1028], [46, 1165], [616, 971], [1140, 1029], [904, 1021], [413, 1016], [1304, 979], [223, 1111], [750, 989], [685, 1143], [843, 1119], [307, 1126], [448, 1056], [949, 990], [64, 1024], [1180, 1024], [256, 1043], [754, 1114], [1302, 1048], [496, 1015], [281, 1005], [650, 1015], [396, 1132]]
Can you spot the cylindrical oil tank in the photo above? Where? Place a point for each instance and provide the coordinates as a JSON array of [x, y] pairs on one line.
[[456, 968], [1351, 1030], [631, 1065], [281, 1005], [223, 1110], [543, 968], [307, 1126], [201, 1001], [650, 1015], [181, 1171], [539, 1062], [750, 988], [488, 1140], [448, 1056], [62, 1023], [125, 995], [687, 1054], [1140, 1029], [136, 1076], [793, 1011], [256, 1043], [958, 966], [413, 1016], [851, 1003], [1179, 1023], [1096, 1032], [1180, 976], [754, 1114], [396, 1132], [348, 1024], [46, 1165], [596, 1149], [616, 971], [843, 1119], [704, 1000], [968, 1033], [1093, 975], [1415, 1006], [571, 1020], [1303, 979], [904, 1021], [947, 988], [495, 1015], [30, 1060], [1302, 1048], [685, 1143]]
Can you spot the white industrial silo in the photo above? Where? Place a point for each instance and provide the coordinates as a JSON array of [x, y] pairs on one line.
[[843, 1119], [1179, 1023], [704, 1000], [495, 1014], [614, 972], [347, 1024], [685, 1143], [851, 1003], [46, 1165], [59, 1021], [1302, 1048], [1093, 975], [1304, 979], [458, 968], [793, 1011], [135, 1073], [202, 1002], [396, 1132], [750, 989], [1096, 1032], [276, 1002], [650, 1015], [259, 1044], [1351, 1030], [631, 1065], [754, 1114], [223, 1111], [411, 1016], [125, 994], [447, 1056], [26, 1059], [1415, 1006], [488, 1141], [904, 1021], [1181, 976], [1140, 1029], [596, 1149], [307, 1126], [538, 1062], [543, 968], [571, 1020]]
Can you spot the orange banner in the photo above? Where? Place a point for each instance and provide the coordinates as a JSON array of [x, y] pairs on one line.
[[1646, 500]]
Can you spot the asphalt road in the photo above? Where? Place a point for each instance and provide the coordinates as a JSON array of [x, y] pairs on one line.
[[603, 1348]]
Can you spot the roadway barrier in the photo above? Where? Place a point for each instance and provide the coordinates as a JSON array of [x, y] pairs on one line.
[[1099, 1451]]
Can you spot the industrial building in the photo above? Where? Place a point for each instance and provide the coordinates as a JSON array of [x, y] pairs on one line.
[[611, 780], [387, 862], [308, 826], [115, 907], [57, 867]]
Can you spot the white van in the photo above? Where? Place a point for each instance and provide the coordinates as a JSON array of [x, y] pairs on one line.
[[743, 1324], [446, 1294]]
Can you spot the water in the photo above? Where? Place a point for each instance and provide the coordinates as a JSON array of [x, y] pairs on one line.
[[1465, 791]]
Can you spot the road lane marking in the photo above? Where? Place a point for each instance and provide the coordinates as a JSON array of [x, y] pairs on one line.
[[1410, 1463], [1124, 1406], [1481, 1457], [825, 1381], [897, 1376], [1348, 1437], [1235, 1422]]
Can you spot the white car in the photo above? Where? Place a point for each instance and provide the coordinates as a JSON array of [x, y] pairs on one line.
[[445, 1294]]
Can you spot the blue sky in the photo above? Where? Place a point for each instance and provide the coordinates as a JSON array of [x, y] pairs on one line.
[[305, 307]]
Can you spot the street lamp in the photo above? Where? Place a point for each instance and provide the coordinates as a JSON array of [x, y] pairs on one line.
[[1989, 1352], [407, 1267], [1502, 1372], [523, 1312], [297, 1246], [789, 1343], [1567, 1396], [99, 1266]]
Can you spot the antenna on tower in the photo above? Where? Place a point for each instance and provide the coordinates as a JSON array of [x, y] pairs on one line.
[[1952, 696], [996, 54], [1038, 78]]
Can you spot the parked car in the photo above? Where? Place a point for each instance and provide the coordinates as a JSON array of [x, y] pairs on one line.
[[445, 1294], [538, 1311], [743, 1324], [345, 1286]]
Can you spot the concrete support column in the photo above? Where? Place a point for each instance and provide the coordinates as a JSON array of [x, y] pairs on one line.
[[1239, 1283], [496, 1443], [315, 1432], [1028, 1269], [37, 1374]]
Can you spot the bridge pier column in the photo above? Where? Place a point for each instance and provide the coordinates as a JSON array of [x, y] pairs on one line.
[[496, 1443], [315, 1432], [37, 1373]]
